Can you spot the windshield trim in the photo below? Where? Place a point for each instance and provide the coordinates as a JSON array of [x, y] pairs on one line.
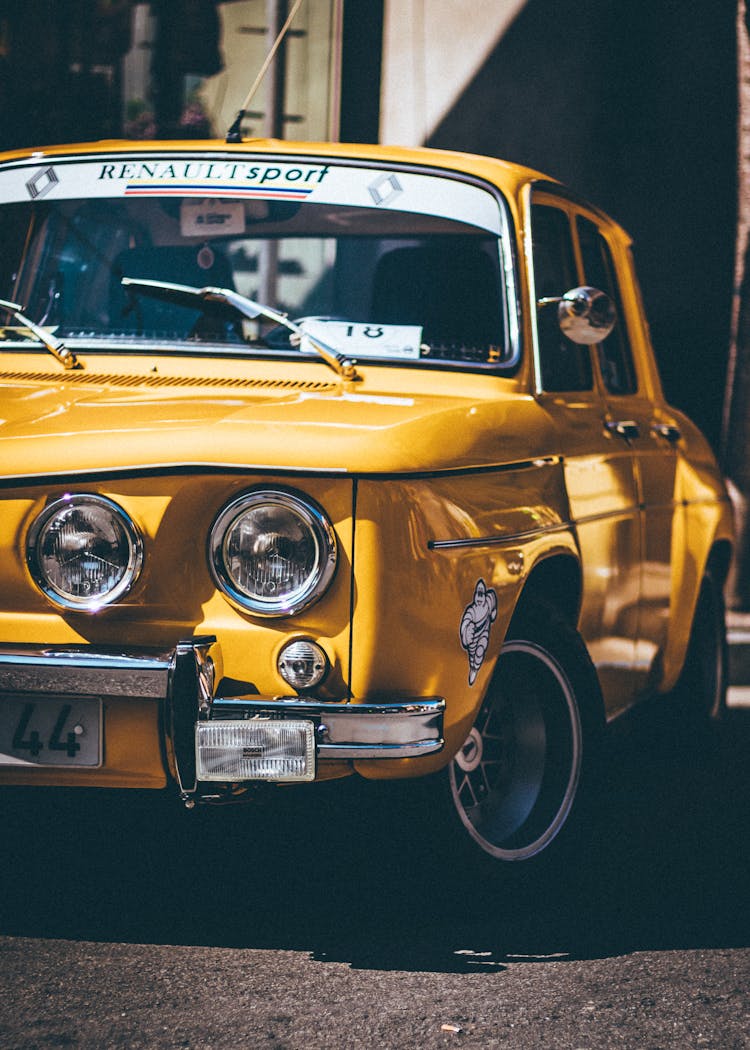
[[138, 347]]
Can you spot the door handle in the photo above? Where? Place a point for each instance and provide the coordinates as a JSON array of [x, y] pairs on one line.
[[668, 431], [627, 429]]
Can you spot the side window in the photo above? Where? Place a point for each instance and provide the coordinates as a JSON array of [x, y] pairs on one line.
[[565, 366], [615, 356]]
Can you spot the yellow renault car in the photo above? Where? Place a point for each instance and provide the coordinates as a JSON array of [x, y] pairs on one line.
[[322, 460]]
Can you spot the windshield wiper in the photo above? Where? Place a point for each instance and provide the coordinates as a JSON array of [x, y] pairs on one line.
[[186, 295], [56, 347]]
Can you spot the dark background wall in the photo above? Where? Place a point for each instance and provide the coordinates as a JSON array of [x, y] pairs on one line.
[[60, 70], [633, 104]]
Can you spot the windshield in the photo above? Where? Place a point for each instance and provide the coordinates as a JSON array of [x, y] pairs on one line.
[[400, 267]]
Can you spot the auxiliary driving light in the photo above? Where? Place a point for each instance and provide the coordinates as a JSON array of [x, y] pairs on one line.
[[255, 749], [302, 664]]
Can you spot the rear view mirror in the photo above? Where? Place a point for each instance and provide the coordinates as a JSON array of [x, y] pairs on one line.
[[585, 314]]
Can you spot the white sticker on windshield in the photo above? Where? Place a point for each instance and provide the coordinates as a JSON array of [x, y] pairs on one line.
[[211, 216], [365, 340]]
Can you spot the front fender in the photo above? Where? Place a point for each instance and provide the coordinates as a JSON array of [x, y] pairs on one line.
[[439, 564]]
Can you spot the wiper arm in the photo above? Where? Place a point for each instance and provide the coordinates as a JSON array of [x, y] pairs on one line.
[[186, 295], [56, 347]]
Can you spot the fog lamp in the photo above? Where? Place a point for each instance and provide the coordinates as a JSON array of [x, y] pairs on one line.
[[255, 749], [302, 664]]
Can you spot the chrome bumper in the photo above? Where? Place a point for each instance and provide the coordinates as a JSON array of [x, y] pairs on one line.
[[184, 682]]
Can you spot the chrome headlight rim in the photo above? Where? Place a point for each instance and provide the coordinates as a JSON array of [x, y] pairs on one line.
[[325, 542], [133, 562]]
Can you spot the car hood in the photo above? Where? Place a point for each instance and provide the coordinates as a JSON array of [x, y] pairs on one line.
[[82, 422]]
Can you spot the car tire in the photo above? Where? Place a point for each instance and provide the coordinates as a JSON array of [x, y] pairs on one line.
[[521, 791]]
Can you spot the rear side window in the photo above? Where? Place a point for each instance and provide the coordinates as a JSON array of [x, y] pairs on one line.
[[615, 356], [564, 365]]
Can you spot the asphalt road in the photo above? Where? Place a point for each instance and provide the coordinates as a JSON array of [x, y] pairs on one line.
[[126, 922]]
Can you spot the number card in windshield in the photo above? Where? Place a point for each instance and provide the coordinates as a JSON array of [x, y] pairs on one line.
[[365, 340]]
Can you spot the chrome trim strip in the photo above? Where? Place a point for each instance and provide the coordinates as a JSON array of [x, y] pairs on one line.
[[620, 512], [498, 541], [363, 751], [528, 254], [82, 672], [544, 530], [404, 729]]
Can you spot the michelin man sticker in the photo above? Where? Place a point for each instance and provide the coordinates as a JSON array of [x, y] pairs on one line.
[[476, 621]]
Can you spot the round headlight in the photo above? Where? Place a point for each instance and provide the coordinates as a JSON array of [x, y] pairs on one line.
[[272, 552], [84, 552]]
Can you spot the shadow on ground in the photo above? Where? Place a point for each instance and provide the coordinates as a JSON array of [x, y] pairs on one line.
[[321, 873]]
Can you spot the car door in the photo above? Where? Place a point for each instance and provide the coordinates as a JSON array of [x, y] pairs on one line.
[[597, 460], [646, 430]]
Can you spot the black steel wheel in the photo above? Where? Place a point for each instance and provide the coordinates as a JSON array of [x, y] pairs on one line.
[[517, 783]]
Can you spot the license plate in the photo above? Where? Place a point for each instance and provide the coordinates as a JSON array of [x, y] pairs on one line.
[[50, 732]]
